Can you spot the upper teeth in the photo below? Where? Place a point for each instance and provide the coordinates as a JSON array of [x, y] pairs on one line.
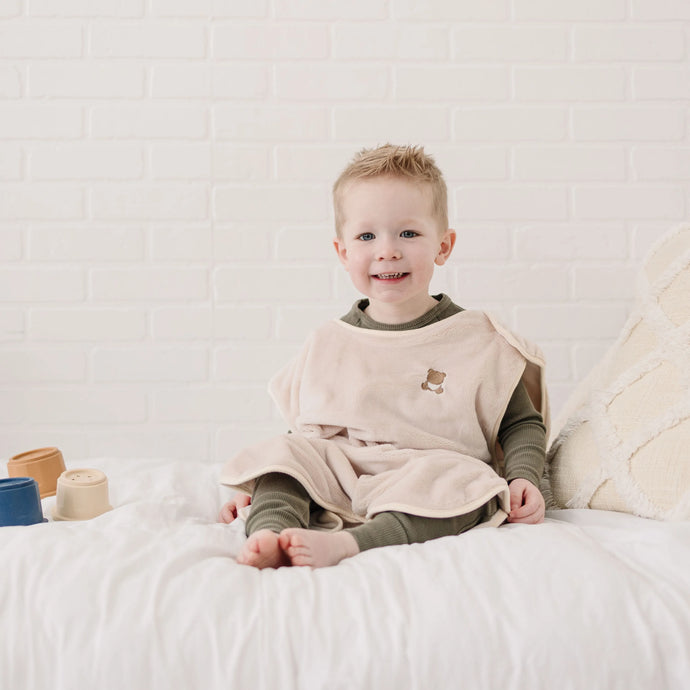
[[391, 275]]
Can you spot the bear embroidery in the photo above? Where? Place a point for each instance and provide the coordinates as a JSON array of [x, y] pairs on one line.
[[434, 381]]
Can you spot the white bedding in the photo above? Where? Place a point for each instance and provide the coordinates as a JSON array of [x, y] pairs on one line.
[[149, 596]]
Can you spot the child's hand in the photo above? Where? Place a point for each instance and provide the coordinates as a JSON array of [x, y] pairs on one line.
[[526, 503], [228, 512]]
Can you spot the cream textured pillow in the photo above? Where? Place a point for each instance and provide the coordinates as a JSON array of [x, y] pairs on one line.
[[626, 444]]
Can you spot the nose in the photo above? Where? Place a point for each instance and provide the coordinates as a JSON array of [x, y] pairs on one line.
[[388, 249]]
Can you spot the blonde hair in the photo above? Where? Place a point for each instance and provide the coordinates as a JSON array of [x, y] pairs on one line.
[[410, 162]]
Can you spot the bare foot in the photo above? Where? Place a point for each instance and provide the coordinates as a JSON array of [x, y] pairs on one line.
[[317, 549], [263, 550]]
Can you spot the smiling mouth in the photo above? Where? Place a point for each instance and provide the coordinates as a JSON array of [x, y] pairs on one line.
[[389, 276]]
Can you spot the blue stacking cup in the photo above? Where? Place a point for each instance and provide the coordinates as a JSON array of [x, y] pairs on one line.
[[20, 502]]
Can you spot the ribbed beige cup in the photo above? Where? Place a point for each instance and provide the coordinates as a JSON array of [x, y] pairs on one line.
[[81, 495], [44, 465]]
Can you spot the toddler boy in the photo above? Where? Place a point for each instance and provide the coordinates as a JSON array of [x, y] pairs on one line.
[[410, 418]]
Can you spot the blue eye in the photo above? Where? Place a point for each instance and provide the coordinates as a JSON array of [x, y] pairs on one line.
[[408, 233], [366, 236]]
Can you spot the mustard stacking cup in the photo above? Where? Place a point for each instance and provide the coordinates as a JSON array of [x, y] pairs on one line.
[[44, 465], [82, 494]]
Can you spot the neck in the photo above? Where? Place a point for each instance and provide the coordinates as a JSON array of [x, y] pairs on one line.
[[395, 313]]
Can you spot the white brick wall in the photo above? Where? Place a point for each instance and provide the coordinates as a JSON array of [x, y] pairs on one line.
[[165, 171]]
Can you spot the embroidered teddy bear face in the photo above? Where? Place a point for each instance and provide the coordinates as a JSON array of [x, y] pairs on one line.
[[434, 381]]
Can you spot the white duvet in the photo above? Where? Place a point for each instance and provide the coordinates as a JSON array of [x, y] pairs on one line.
[[149, 596]]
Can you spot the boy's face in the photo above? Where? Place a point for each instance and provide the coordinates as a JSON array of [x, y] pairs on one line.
[[390, 242]]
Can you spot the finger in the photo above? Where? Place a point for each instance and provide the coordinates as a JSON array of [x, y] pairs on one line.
[[242, 500]]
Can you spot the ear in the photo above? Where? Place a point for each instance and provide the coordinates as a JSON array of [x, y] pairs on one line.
[[446, 246], [341, 251]]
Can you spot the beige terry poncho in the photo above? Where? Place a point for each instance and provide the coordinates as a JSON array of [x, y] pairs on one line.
[[396, 420]]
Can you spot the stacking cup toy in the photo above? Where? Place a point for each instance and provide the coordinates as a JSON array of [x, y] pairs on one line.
[[45, 465], [20, 502], [81, 495]]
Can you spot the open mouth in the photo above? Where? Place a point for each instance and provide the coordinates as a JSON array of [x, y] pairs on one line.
[[390, 276]]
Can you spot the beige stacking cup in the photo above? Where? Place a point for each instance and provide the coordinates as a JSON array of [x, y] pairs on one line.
[[44, 465], [81, 495]]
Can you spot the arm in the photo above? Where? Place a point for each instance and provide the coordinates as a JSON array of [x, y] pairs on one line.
[[522, 436]]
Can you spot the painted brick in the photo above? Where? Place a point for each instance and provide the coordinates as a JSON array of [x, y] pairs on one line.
[[570, 10], [376, 41], [312, 163], [22, 39], [11, 161], [86, 161], [276, 124], [42, 285], [150, 202], [74, 406], [238, 9], [481, 241], [618, 203], [243, 323], [181, 161], [453, 83], [87, 8], [10, 82], [87, 324], [12, 326], [88, 81], [510, 124], [590, 321], [144, 285], [147, 40], [629, 124], [564, 242], [661, 10], [652, 163], [270, 203], [294, 324], [330, 9], [512, 283], [331, 81], [508, 43], [655, 83], [250, 363], [305, 243], [217, 404], [512, 203], [41, 202], [242, 241], [569, 163], [149, 121], [40, 121], [460, 10], [182, 323], [42, 366], [252, 285], [267, 41], [168, 442], [187, 244], [570, 84], [154, 364], [603, 283], [240, 162], [400, 124], [72, 244], [10, 243], [613, 43]]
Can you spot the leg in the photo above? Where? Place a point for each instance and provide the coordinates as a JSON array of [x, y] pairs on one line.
[[319, 549], [391, 528], [279, 501]]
